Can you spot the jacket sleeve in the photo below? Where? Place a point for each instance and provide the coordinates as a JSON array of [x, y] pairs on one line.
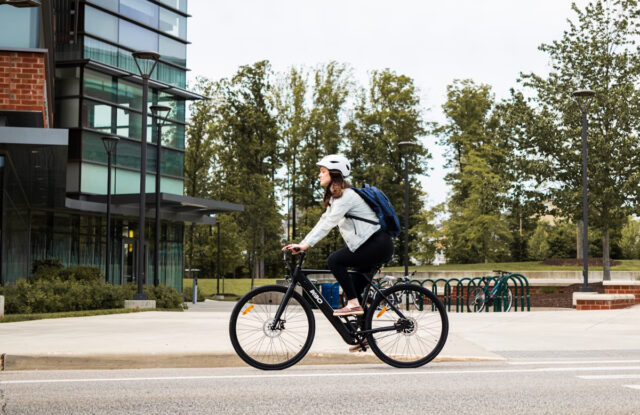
[[329, 219]]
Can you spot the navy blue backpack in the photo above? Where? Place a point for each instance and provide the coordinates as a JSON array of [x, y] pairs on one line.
[[381, 205]]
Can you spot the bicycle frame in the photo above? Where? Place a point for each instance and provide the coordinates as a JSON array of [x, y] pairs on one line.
[[347, 329]]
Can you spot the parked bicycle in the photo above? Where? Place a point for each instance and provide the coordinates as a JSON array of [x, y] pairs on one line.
[[483, 295], [273, 327]]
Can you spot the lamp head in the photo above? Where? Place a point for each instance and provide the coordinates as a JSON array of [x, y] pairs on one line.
[[110, 143], [160, 111], [146, 61]]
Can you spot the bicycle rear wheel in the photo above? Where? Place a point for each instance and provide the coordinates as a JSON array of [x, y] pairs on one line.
[[413, 340], [476, 299], [263, 343], [507, 300]]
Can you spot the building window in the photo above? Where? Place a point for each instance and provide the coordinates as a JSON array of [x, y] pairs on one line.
[[137, 38], [176, 4], [99, 85], [173, 51], [19, 26], [171, 75], [101, 24], [173, 24], [141, 11], [101, 51], [107, 4]]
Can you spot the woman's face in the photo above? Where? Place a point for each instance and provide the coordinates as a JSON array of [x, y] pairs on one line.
[[324, 176]]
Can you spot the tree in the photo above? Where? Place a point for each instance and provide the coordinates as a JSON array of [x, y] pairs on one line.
[[198, 162], [247, 149], [598, 52], [425, 235], [293, 124], [388, 113], [630, 239], [476, 230]]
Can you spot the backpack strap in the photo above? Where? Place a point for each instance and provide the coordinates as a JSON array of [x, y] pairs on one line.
[[362, 219]]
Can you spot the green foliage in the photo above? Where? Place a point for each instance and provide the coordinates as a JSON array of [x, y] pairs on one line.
[[598, 51], [425, 235], [386, 114], [55, 295], [476, 230], [188, 293], [552, 241], [53, 289], [538, 246], [630, 239], [166, 297]]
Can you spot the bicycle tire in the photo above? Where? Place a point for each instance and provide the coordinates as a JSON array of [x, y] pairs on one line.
[[509, 301], [259, 345], [419, 338], [476, 299]]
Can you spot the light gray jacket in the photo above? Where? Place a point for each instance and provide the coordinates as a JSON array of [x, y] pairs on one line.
[[354, 232]]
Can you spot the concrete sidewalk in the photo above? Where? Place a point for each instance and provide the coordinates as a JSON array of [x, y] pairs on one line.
[[199, 338]]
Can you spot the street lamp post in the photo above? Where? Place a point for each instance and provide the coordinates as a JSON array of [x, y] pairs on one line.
[[110, 143], [405, 147], [146, 62], [160, 113], [584, 97]]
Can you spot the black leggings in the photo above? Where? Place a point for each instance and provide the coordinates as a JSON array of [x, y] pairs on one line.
[[377, 250]]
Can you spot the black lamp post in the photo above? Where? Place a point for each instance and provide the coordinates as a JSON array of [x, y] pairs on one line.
[[584, 97], [160, 112], [405, 147], [110, 143], [146, 62]]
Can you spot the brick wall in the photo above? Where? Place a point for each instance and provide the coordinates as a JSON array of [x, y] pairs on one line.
[[604, 304], [624, 289], [23, 82]]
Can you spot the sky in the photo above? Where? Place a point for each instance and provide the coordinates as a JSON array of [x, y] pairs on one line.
[[432, 41]]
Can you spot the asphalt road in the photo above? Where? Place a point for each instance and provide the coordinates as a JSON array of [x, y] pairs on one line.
[[549, 385]]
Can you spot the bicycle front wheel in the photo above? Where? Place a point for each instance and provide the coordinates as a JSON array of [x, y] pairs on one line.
[[476, 299], [412, 337], [267, 344]]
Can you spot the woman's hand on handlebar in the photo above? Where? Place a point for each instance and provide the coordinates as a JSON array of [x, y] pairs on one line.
[[296, 248]]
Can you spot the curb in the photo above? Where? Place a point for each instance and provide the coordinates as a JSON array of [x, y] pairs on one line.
[[150, 361]]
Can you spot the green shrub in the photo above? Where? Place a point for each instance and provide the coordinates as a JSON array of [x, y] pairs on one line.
[[166, 297], [56, 295], [188, 295]]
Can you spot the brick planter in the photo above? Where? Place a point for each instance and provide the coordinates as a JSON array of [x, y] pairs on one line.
[[623, 287], [594, 301]]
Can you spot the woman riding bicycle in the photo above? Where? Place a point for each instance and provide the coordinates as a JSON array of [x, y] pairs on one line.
[[366, 244]]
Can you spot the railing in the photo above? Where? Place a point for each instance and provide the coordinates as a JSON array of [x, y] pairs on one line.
[[455, 291]]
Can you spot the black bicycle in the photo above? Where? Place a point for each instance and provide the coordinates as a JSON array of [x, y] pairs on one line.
[[272, 327]]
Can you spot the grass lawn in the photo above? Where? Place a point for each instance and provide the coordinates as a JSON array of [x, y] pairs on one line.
[[232, 286], [12, 318], [626, 265]]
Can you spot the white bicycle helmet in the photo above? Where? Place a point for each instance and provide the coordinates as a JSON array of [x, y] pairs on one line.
[[336, 162]]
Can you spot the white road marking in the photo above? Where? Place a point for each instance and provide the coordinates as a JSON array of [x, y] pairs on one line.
[[405, 372], [632, 386], [598, 377], [574, 362]]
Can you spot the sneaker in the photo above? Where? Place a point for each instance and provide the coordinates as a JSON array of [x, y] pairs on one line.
[[349, 311], [358, 347]]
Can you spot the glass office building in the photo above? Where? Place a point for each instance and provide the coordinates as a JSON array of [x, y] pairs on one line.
[[98, 92]]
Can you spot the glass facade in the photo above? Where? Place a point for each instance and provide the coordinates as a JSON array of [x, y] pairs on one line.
[[19, 26], [127, 36], [92, 102], [81, 240]]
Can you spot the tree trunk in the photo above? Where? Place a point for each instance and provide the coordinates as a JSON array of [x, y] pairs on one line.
[[579, 237], [606, 266]]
